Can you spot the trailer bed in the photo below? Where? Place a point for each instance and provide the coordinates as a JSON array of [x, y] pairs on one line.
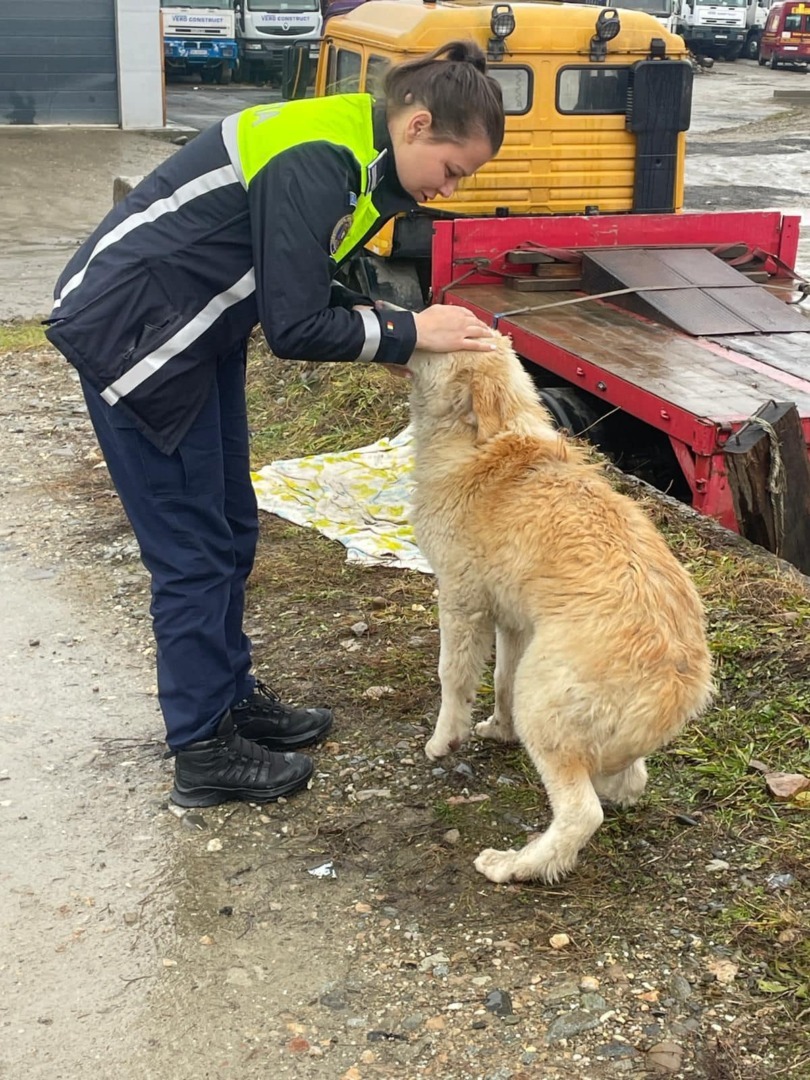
[[647, 368]]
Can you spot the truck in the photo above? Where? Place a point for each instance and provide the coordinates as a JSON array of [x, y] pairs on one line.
[[715, 28], [674, 339], [199, 38], [265, 28], [756, 15]]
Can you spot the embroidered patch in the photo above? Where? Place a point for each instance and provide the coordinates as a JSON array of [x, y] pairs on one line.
[[340, 232]]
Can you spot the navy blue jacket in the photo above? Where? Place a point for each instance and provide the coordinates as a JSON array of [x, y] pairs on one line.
[[189, 262]]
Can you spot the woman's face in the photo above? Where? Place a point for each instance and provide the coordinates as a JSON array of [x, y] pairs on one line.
[[427, 168]]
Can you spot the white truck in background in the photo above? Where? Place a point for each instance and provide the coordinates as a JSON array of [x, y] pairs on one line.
[[265, 28], [715, 28], [755, 19], [199, 38]]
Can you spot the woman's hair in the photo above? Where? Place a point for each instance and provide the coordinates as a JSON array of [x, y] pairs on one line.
[[452, 83]]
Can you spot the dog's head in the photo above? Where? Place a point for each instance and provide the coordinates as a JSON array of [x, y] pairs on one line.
[[475, 393]]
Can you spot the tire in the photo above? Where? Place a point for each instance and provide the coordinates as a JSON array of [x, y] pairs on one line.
[[774, 62], [224, 75], [751, 48]]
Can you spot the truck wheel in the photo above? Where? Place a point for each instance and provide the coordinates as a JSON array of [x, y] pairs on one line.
[[751, 48], [224, 75], [774, 62]]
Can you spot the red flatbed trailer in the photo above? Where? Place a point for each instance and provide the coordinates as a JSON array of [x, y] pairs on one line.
[[696, 388]]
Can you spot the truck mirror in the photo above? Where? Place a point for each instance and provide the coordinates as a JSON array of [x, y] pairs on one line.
[[296, 70]]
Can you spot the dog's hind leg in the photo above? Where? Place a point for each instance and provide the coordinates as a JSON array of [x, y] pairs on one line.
[[466, 645], [623, 788], [577, 816], [509, 647]]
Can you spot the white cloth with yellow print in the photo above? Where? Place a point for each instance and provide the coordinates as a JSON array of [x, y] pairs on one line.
[[358, 497]]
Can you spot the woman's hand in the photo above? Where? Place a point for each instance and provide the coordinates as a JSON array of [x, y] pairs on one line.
[[444, 328]]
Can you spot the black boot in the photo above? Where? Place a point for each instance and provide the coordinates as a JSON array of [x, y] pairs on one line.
[[228, 767], [265, 719]]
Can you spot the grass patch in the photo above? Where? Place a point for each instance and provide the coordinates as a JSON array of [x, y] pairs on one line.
[[18, 336], [298, 409]]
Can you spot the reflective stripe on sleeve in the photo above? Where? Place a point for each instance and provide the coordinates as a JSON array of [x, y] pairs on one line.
[[371, 325]]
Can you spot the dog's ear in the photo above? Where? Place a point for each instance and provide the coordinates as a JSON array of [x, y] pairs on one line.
[[490, 403]]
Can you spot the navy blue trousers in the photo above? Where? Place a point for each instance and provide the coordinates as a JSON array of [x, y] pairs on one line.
[[195, 518]]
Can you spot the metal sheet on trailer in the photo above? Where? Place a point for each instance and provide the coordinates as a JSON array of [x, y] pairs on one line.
[[716, 298]]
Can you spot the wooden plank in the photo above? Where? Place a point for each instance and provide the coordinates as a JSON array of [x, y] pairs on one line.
[[769, 476], [681, 370]]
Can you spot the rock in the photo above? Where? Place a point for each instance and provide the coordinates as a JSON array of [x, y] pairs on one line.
[[665, 1056], [430, 962], [463, 769], [452, 836], [359, 628], [568, 988], [377, 692], [571, 1023], [559, 941], [594, 1003], [716, 866], [214, 845], [499, 1002], [615, 1050], [413, 1021], [588, 983], [435, 1023], [775, 882], [725, 971], [680, 988]]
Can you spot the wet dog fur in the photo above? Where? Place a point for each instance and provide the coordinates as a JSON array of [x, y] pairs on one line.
[[601, 654]]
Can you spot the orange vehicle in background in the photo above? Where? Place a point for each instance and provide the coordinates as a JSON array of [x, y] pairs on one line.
[[786, 38]]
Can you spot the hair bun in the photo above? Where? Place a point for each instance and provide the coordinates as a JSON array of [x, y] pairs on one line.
[[467, 52]]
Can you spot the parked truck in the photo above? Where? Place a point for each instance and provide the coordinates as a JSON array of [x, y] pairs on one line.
[[715, 28], [265, 28], [199, 38]]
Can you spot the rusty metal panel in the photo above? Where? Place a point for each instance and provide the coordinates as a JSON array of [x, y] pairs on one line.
[[717, 300]]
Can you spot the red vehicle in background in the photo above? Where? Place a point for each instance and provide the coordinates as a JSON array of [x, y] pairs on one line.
[[786, 38]]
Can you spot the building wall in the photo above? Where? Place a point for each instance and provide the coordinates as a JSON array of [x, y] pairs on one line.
[[81, 62]]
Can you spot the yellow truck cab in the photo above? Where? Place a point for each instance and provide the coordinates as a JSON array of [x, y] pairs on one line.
[[597, 100]]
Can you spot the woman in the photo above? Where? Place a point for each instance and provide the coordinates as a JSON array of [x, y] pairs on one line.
[[247, 224]]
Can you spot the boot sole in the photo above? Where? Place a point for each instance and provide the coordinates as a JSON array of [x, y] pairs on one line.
[[209, 796]]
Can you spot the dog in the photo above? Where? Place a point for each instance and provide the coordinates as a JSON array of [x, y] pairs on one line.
[[600, 645]]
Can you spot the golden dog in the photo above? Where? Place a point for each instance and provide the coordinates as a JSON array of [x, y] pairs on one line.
[[601, 651]]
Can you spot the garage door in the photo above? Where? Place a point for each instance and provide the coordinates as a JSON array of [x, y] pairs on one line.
[[58, 62]]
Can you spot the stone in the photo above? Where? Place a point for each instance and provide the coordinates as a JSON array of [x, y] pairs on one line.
[[499, 1002], [571, 1023], [559, 941], [665, 1056], [680, 988]]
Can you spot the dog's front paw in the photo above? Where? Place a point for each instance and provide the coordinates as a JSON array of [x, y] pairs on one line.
[[436, 748], [498, 866], [495, 729]]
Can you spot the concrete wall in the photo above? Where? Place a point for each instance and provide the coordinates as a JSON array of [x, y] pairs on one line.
[[140, 63]]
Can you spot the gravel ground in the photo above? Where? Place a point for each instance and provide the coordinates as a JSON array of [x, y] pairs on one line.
[[345, 934]]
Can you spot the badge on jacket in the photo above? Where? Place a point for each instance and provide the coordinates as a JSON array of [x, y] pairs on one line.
[[340, 232]]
